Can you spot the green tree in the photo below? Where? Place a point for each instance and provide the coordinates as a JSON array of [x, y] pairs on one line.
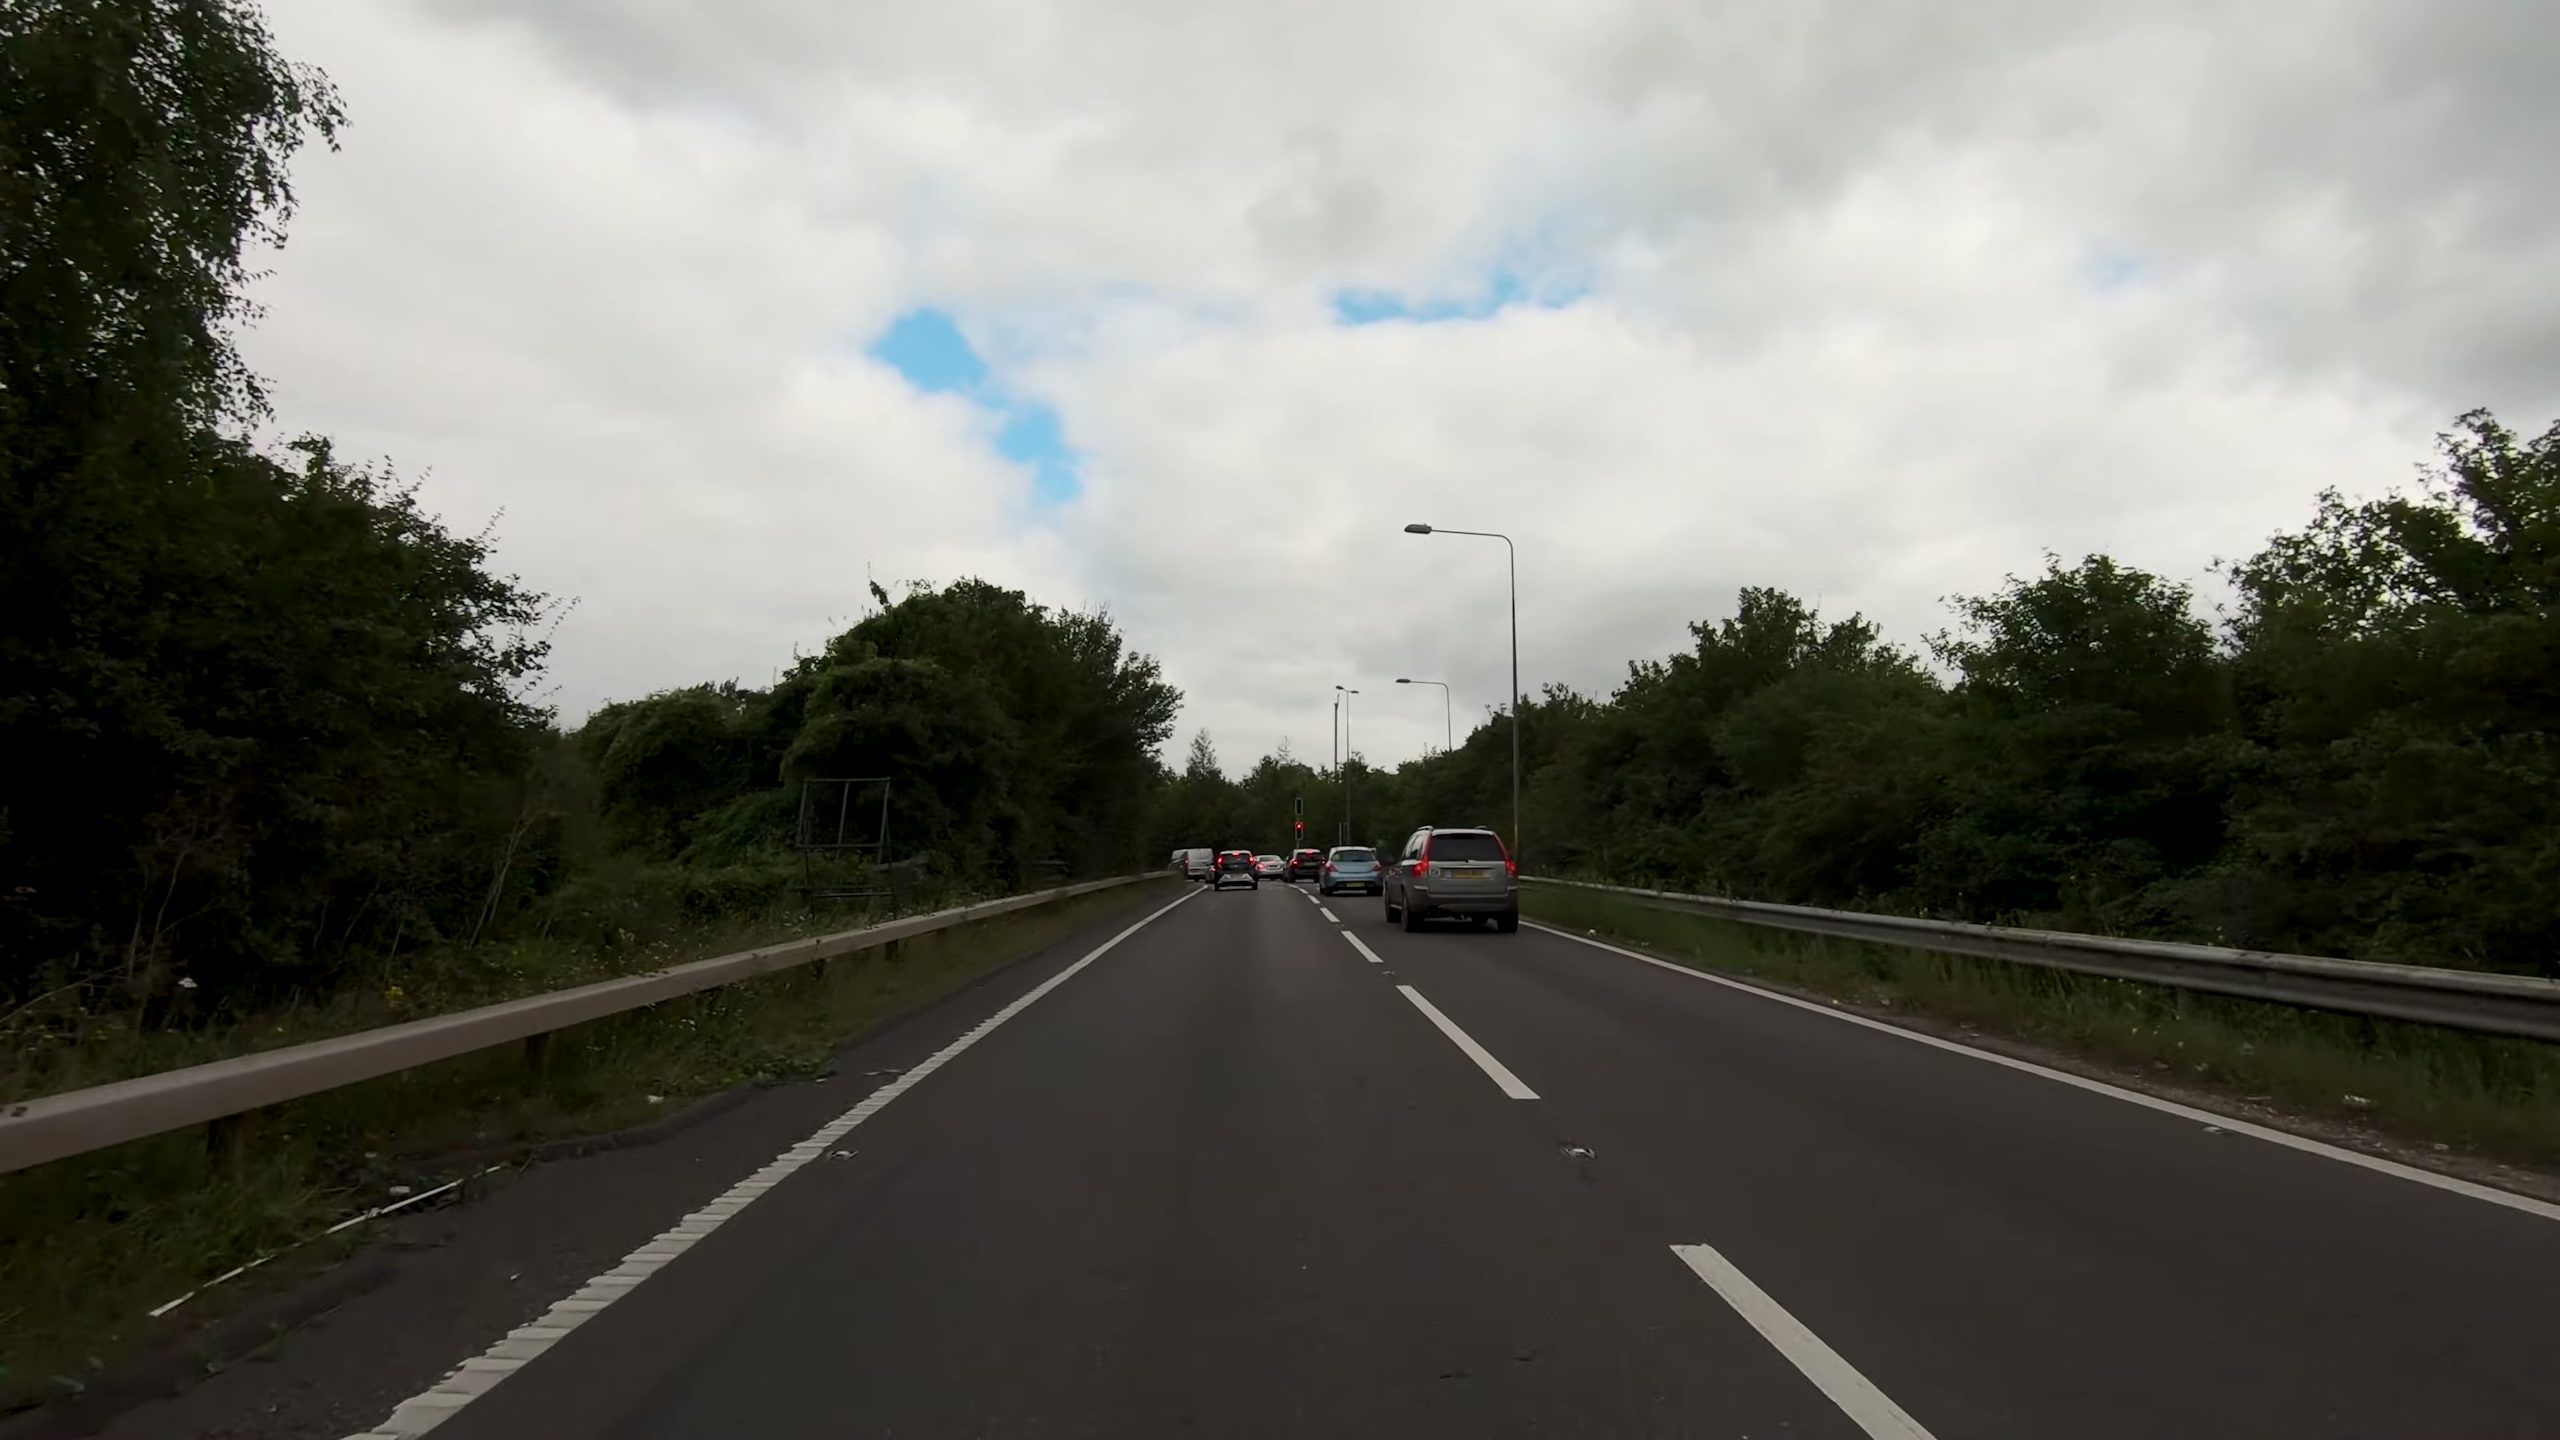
[[1015, 740], [2094, 748], [2397, 659], [261, 716]]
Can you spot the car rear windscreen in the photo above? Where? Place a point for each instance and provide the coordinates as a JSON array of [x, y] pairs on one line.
[[1364, 856], [1465, 845]]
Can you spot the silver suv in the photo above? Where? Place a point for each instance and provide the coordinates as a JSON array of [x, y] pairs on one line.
[[1453, 872]]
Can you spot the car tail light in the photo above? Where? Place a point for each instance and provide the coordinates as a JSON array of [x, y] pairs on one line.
[[1511, 865], [1328, 867]]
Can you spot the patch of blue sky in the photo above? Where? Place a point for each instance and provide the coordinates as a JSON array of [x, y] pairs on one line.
[[1504, 286], [1031, 436], [926, 347]]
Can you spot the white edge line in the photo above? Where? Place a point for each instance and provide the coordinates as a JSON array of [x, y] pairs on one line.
[[236, 1271], [1869, 1408], [2237, 1126], [1501, 1073], [1329, 916], [379, 1211], [1363, 949], [431, 1407]]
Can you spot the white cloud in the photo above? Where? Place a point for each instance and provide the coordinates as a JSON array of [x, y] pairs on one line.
[[1878, 307]]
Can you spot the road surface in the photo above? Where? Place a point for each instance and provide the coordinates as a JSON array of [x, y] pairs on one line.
[[1263, 1167]]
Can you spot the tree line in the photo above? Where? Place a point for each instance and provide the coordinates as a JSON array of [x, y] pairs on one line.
[[267, 725], [1018, 742], [2355, 757], [260, 700]]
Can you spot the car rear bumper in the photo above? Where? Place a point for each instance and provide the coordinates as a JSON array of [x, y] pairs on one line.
[[1469, 903], [1356, 886]]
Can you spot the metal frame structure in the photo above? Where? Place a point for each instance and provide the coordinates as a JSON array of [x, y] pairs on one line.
[[837, 852]]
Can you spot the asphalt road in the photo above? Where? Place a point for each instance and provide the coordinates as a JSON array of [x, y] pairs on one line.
[[1238, 1175]]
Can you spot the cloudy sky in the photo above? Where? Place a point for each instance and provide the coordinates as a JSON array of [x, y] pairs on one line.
[[1185, 310]]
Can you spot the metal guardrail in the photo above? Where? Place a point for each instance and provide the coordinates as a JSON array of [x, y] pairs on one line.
[[2519, 1005], [75, 1122]]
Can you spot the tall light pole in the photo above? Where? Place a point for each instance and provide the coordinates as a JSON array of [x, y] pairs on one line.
[[1446, 731], [1514, 553], [1342, 702]]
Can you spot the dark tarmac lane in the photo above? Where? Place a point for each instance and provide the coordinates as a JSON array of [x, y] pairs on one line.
[[1242, 1174]]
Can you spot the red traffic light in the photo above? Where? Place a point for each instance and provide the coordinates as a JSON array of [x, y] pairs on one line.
[[1302, 826]]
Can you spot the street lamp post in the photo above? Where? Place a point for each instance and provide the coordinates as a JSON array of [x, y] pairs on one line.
[[1446, 730], [1342, 833], [1513, 552]]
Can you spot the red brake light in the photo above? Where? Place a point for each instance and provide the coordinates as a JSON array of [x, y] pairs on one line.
[[1422, 861], [1511, 865]]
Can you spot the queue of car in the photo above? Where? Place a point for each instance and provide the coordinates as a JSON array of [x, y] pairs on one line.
[[1444, 872]]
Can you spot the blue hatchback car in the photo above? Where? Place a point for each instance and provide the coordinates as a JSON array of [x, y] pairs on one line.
[[1349, 869]]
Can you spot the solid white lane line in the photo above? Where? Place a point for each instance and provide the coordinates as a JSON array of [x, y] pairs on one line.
[[1865, 1405], [1329, 916], [2237, 1126], [436, 1404], [1363, 949], [1501, 1073]]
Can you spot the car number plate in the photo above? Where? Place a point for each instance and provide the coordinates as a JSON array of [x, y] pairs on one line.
[[1474, 873]]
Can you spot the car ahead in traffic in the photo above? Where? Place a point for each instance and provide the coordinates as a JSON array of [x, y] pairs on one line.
[[1350, 869], [1305, 865], [1199, 862], [1235, 867], [1462, 873], [1270, 867]]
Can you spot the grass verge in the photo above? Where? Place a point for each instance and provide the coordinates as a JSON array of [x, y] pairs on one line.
[[2439, 1089], [90, 1244]]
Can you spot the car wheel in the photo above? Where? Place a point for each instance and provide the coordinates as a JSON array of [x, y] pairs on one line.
[[1390, 904], [1508, 922], [1412, 918]]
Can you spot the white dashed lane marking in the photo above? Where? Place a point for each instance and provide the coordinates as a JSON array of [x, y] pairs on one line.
[[1868, 1407], [1501, 1073]]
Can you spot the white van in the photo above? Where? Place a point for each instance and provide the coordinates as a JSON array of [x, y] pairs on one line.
[[1197, 864]]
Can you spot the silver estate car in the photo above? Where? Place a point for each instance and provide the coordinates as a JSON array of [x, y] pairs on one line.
[[1462, 873]]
